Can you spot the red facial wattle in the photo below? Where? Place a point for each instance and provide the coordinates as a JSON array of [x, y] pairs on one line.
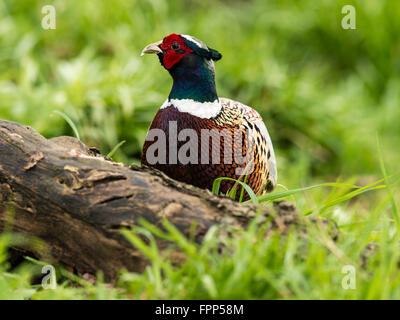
[[175, 49]]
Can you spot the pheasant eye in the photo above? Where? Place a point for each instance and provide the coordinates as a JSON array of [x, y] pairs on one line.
[[175, 45]]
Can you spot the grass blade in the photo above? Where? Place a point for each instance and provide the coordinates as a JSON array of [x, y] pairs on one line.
[[250, 192], [115, 149], [283, 194], [70, 122], [395, 209], [346, 197]]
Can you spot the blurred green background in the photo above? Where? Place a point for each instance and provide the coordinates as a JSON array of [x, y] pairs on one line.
[[324, 92]]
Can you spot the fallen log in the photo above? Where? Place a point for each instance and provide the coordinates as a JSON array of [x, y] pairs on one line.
[[76, 202]]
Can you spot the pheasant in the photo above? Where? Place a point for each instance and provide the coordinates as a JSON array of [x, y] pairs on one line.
[[178, 141]]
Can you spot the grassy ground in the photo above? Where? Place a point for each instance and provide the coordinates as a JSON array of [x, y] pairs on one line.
[[325, 93]]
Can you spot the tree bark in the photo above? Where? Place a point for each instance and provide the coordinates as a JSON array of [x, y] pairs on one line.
[[76, 201]]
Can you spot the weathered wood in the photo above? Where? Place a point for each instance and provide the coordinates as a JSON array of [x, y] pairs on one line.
[[77, 201]]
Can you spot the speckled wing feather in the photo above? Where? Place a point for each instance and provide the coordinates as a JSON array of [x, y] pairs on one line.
[[251, 121]]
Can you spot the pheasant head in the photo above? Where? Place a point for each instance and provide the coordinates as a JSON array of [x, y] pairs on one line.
[[190, 63]]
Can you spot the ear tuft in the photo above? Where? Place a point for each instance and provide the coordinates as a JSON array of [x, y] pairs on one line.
[[214, 54]]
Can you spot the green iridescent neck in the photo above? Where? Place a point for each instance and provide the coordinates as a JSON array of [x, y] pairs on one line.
[[194, 78]]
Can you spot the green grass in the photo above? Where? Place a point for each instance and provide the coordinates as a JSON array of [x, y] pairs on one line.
[[325, 94], [251, 265]]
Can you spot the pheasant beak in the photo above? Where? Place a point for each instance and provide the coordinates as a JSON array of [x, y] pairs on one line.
[[152, 48]]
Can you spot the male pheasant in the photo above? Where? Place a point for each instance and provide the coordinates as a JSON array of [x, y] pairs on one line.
[[196, 136]]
